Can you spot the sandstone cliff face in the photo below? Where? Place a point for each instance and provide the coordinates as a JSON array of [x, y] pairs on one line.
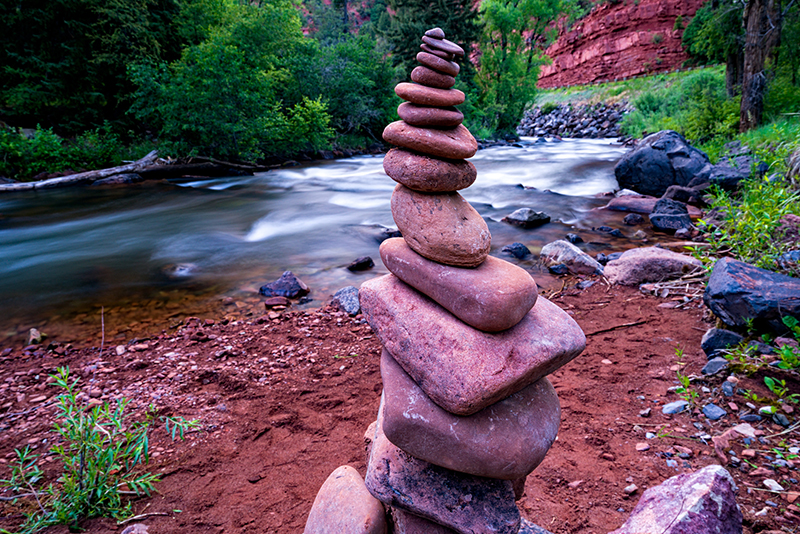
[[619, 41]]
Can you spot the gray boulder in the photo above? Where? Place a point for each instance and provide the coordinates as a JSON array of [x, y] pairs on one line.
[[716, 339], [288, 285], [346, 299], [739, 293], [729, 172], [660, 160], [649, 264], [670, 216], [698, 503], [564, 252]]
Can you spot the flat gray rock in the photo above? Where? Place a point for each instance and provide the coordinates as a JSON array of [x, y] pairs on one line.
[[460, 368], [563, 252], [649, 264]]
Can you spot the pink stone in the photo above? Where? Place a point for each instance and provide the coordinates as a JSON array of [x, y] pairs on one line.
[[455, 143], [428, 96], [442, 227], [464, 503], [650, 264], [505, 440], [343, 505], [431, 78], [408, 523], [492, 297], [438, 53], [439, 64], [428, 174], [429, 117], [444, 45], [462, 369]]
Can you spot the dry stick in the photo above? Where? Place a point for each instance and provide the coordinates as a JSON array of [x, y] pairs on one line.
[[102, 329], [617, 327]]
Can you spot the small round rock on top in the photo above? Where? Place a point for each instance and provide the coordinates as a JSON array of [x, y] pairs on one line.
[[428, 96], [438, 64], [436, 33]]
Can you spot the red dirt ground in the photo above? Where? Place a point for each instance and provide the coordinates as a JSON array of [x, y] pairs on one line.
[[285, 399]]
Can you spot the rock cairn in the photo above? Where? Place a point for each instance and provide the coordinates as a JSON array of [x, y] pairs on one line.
[[466, 412]]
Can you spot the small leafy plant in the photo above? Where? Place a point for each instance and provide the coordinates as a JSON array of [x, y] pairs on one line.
[[788, 354], [101, 454], [778, 387], [684, 389]]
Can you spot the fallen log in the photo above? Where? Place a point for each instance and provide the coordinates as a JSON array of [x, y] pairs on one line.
[[81, 177], [207, 169]]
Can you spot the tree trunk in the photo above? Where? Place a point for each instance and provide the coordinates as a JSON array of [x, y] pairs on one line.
[[762, 20], [733, 73]]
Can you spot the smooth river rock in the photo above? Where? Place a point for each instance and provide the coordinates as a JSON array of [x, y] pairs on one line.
[[444, 45], [492, 297], [428, 96], [344, 506], [649, 264], [505, 440], [439, 53], [460, 368], [407, 523], [438, 64], [442, 227], [462, 502], [431, 78], [430, 117], [455, 143], [427, 174]]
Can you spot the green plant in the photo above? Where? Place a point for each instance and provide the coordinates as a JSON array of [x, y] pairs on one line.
[[678, 26], [657, 38], [790, 355], [101, 454], [778, 387], [684, 388], [743, 359], [549, 107]]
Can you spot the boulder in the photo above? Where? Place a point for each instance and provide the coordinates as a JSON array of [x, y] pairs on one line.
[[427, 174], [527, 218], [505, 440], [649, 264], [344, 506], [462, 502], [492, 297], [518, 250], [687, 195], [462, 369], [670, 216], [696, 503], [564, 252], [288, 285], [716, 339], [442, 227], [642, 204], [660, 160], [729, 172], [739, 293], [346, 299]]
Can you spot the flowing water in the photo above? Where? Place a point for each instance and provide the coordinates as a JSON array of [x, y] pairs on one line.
[[152, 251]]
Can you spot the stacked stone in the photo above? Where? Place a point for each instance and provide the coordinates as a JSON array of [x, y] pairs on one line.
[[466, 412]]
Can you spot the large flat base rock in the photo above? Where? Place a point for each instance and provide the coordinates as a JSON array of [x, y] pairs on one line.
[[344, 506], [464, 503], [506, 440], [492, 297], [460, 368]]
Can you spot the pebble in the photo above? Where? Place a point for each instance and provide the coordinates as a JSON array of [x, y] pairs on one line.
[[781, 419], [629, 490], [727, 389], [714, 366], [714, 412], [641, 447], [750, 418], [645, 413], [674, 407], [672, 463], [606, 362], [650, 435]]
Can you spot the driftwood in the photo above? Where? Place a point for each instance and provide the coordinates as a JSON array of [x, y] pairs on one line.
[[81, 177]]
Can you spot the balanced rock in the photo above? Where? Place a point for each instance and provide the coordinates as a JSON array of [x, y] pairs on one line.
[[462, 502], [456, 143], [562, 252], [407, 523], [506, 440], [460, 368], [428, 96], [439, 64], [431, 78], [492, 297], [649, 264], [435, 52], [427, 174], [442, 227], [430, 117], [436, 33], [344, 506], [444, 45]]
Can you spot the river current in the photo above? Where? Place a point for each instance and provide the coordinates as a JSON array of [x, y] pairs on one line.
[[164, 247]]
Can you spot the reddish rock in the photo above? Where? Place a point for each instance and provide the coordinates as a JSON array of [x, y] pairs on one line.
[[456, 143], [428, 96], [408, 523], [438, 64], [438, 53], [695, 503], [563, 252], [276, 301], [464, 503], [431, 78], [492, 297], [427, 174], [444, 45], [436, 33], [344, 506], [650, 264], [462, 369], [442, 227], [428, 117], [642, 204], [506, 440]]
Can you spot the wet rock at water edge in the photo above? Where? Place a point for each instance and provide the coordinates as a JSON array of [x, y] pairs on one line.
[[455, 143], [577, 261], [427, 174], [574, 238], [34, 337], [459, 501], [288, 285], [527, 218], [698, 503], [442, 227], [462, 369], [518, 250], [272, 302], [633, 219], [649, 264], [506, 440], [361, 264], [670, 216], [343, 505], [346, 299], [491, 297]]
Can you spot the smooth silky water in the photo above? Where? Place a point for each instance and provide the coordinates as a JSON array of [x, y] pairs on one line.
[[152, 252]]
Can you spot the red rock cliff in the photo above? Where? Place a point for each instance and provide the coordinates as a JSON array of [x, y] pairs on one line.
[[618, 41]]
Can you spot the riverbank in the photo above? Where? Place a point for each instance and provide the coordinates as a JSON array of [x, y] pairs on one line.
[[284, 398]]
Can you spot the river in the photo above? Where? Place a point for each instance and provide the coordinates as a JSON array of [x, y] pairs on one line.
[[150, 254]]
